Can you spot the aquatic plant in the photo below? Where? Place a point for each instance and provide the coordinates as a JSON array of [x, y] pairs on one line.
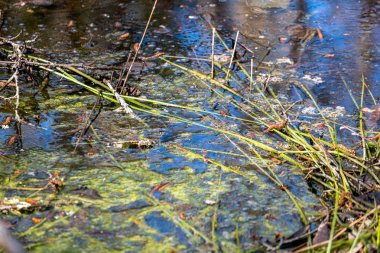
[[273, 138]]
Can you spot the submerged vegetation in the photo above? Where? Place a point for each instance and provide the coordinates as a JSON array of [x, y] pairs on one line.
[[210, 203]]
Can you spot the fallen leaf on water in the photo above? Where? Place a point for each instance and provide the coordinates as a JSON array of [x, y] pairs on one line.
[[270, 216], [36, 220], [136, 47], [7, 121], [91, 153], [12, 140], [276, 161], [277, 126], [31, 201], [56, 182], [279, 236], [124, 36], [329, 55], [320, 34], [319, 125], [223, 113], [343, 197], [182, 215]]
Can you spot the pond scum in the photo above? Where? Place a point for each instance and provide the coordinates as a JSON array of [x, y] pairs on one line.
[[344, 176]]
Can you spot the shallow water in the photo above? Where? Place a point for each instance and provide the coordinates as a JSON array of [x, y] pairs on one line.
[[91, 29], [108, 182]]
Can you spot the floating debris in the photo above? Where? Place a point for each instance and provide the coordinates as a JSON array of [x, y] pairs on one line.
[[285, 60], [316, 79]]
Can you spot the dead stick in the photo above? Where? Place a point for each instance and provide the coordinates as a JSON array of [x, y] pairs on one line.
[[232, 56]]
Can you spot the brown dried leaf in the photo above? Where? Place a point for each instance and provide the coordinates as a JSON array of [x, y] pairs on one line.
[[270, 216], [36, 220], [124, 36], [12, 140], [320, 34], [343, 197], [136, 47], [276, 161], [223, 113], [31, 201], [91, 153], [182, 215], [277, 126], [319, 125], [56, 182], [7, 121]]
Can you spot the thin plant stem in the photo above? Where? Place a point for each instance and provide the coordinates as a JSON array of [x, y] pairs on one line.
[[139, 46], [213, 53]]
